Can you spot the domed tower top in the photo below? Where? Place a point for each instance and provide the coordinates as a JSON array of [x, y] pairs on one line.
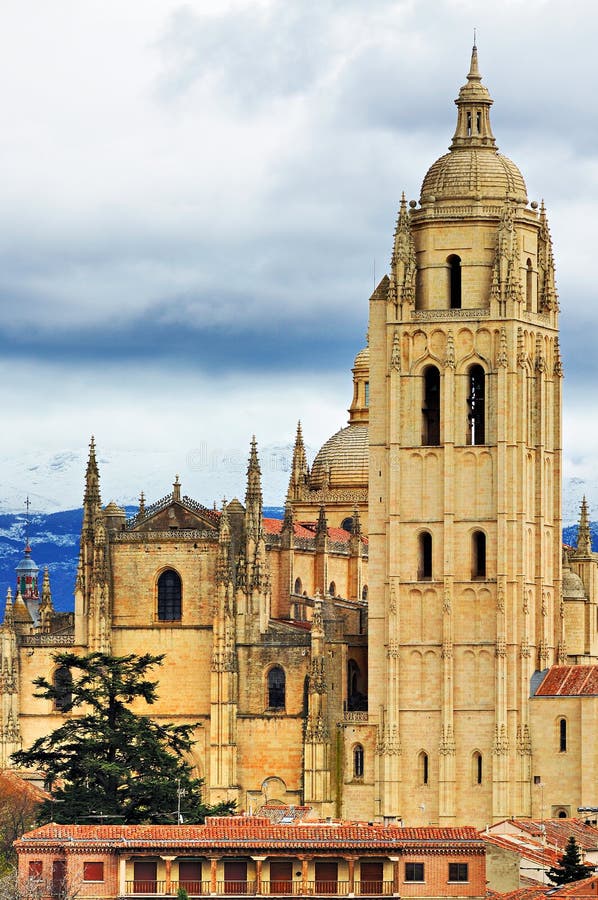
[[27, 583], [473, 170]]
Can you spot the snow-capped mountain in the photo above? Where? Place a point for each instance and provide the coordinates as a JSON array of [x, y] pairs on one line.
[[54, 483]]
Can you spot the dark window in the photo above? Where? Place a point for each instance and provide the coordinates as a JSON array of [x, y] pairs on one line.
[[455, 281], [478, 568], [347, 524], [477, 768], [563, 735], [276, 688], [364, 592], [190, 876], [529, 274], [414, 871], [144, 876], [424, 769], [372, 877], [425, 556], [367, 393], [357, 698], [358, 761], [36, 868], [93, 871], [59, 883], [458, 872], [431, 407], [476, 402], [298, 586], [332, 589], [169, 597], [63, 685]]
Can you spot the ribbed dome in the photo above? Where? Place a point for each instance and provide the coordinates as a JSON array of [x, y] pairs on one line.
[[362, 358], [343, 459], [113, 509], [572, 585], [473, 173], [27, 565]]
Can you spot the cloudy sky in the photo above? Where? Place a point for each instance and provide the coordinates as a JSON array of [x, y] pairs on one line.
[[197, 197]]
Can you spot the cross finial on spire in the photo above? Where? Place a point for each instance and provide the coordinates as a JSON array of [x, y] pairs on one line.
[[27, 522]]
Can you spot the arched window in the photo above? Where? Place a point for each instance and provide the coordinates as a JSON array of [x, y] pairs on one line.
[[431, 407], [424, 570], [477, 768], [455, 281], [332, 589], [356, 689], [529, 274], [476, 402], [364, 593], [276, 688], [347, 524], [367, 393], [358, 761], [478, 555], [423, 767], [298, 586], [63, 685], [562, 735], [169, 596]]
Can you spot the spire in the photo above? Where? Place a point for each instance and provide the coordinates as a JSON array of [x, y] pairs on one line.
[[8, 616], [299, 470], [92, 501], [253, 494], [547, 294], [46, 608], [584, 537], [473, 116], [141, 513], [402, 263]]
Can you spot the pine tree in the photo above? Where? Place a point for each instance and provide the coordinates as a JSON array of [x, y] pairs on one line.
[[570, 866], [107, 763]]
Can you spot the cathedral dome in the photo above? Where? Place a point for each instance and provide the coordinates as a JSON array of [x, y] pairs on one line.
[[342, 462], [473, 169], [473, 173], [572, 585]]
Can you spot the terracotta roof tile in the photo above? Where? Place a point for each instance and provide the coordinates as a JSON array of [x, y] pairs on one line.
[[249, 831], [569, 681]]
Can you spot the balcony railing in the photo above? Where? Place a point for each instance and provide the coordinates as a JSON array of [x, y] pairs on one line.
[[266, 888]]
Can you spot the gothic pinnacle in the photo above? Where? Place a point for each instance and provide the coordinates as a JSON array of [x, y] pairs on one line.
[[584, 537]]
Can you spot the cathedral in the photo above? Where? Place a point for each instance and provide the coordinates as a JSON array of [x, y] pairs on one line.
[[411, 642]]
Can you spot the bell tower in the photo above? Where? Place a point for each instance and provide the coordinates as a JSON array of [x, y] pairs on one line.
[[465, 485]]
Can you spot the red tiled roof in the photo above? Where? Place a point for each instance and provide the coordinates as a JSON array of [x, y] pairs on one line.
[[569, 681], [12, 784], [555, 831], [274, 526], [586, 887], [528, 848], [246, 832]]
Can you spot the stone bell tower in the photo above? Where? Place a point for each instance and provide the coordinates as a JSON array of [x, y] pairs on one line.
[[465, 485]]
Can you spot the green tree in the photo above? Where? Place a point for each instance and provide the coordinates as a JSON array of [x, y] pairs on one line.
[[107, 763], [570, 866]]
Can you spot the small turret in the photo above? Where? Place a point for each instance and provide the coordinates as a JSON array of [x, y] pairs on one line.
[[8, 616], [92, 501], [27, 584], [253, 494], [584, 537], [46, 609], [299, 468]]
